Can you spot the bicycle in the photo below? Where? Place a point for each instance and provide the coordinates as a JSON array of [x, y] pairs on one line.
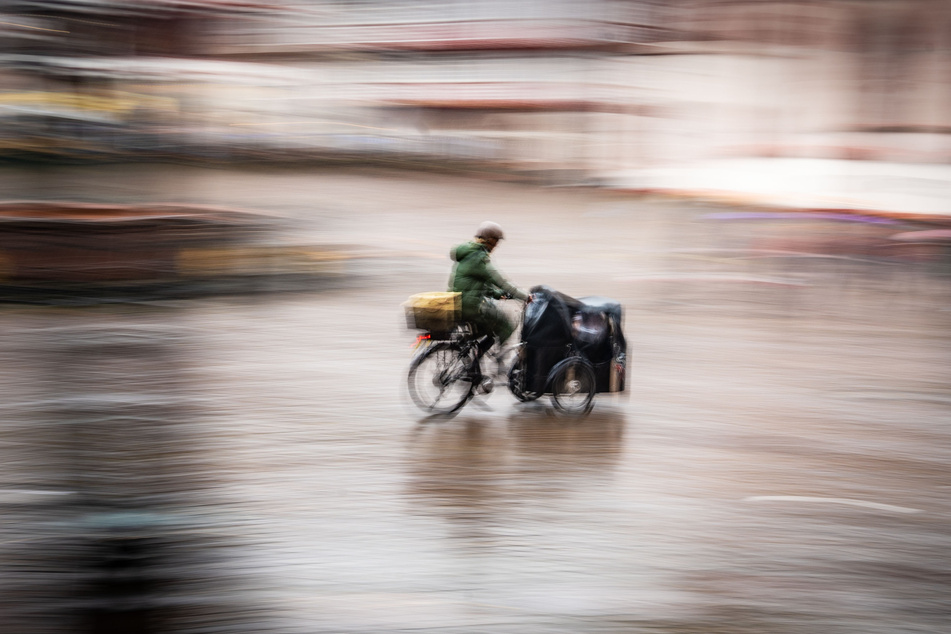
[[448, 372], [559, 354]]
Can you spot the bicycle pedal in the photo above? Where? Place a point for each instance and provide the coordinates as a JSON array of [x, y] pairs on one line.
[[486, 386]]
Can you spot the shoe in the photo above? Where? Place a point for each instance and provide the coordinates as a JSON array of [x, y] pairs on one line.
[[484, 344]]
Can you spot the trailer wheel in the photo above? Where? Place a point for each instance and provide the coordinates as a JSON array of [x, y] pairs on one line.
[[572, 384]]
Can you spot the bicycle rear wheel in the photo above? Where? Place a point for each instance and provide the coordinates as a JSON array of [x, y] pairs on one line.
[[439, 380]]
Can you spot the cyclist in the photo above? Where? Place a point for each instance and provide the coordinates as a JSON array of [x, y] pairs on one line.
[[480, 283]]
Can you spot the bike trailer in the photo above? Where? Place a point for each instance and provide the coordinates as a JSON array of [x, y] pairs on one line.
[[556, 324]]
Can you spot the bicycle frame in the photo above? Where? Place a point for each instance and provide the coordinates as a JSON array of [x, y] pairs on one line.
[[463, 337]]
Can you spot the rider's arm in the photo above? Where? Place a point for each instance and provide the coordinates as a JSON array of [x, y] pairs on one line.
[[503, 286]]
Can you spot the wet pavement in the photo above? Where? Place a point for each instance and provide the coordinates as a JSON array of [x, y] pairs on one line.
[[779, 463]]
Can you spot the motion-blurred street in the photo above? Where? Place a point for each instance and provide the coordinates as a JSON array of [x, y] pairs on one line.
[[779, 463]]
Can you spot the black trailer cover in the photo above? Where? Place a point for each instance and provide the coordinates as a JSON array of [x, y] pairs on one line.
[[554, 320]]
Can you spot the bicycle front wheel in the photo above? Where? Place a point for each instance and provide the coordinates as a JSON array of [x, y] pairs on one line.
[[439, 380]]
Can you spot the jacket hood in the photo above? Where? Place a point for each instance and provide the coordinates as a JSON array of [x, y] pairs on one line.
[[462, 251]]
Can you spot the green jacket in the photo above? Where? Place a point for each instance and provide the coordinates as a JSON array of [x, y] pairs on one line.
[[476, 278]]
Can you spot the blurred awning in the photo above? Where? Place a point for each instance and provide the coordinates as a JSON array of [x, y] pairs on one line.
[[157, 69], [932, 235], [138, 7], [799, 215], [113, 104]]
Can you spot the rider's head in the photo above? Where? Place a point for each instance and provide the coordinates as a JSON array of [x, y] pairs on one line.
[[489, 233]]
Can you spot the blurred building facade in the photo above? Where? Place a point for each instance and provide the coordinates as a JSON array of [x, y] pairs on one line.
[[560, 89]]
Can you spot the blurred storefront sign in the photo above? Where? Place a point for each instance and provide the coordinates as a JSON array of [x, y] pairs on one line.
[[97, 252], [481, 34]]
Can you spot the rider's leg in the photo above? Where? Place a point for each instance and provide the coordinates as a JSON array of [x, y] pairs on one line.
[[495, 321], [483, 341]]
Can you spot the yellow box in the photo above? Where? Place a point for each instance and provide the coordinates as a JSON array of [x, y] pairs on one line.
[[433, 311]]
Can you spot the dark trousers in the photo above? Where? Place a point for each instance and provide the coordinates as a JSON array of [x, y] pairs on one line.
[[491, 320]]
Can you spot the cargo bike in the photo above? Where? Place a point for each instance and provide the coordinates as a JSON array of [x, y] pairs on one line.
[[570, 349]]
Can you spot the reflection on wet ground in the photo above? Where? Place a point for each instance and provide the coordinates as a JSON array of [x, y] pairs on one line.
[[252, 464], [480, 476]]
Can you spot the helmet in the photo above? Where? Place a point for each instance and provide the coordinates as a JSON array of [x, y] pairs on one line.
[[489, 231]]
